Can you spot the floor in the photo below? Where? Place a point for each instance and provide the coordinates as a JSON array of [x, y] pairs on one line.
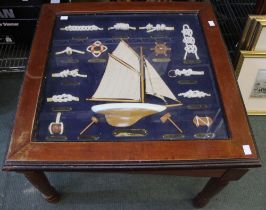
[[121, 191]]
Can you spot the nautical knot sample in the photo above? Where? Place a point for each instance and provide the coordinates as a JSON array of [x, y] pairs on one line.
[[67, 72], [194, 94], [189, 40], [62, 98], [202, 121], [122, 26], [81, 28], [69, 51], [185, 72], [56, 127], [159, 27]]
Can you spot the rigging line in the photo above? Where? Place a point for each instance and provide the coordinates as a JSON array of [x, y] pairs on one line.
[[142, 76], [124, 63]]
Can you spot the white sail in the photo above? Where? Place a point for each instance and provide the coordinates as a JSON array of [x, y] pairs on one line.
[[121, 79], [128, 55], [118, 82], [155, 85]]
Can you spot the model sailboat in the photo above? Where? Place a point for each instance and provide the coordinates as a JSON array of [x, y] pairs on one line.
[[127, 78]]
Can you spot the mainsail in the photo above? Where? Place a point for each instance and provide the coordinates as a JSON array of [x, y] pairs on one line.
[[122, 78], [126, 54], [122, 75]]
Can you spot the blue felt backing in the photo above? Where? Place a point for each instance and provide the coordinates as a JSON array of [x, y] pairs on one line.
[[80, 114]]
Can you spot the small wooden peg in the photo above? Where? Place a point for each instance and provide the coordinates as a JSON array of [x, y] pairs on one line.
[[93, 120], [166, 117]]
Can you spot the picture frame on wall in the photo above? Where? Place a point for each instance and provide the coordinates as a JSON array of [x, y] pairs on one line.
[[259, 41], [251, 77], [249, 29], [252, 38]]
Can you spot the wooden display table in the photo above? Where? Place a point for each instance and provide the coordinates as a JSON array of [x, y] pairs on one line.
[[173, 57]]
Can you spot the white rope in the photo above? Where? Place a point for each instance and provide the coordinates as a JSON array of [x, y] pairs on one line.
[[185, 72], [62, 98], [122, 26], [194, 94], [159, 27], [81, 28], [58, 124], [200, 119], [57, 120], [69, 51], [187, 31], [67, 72], [189, 41], [97, 48]]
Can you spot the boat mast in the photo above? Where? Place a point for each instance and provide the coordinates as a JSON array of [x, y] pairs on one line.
[[142, 76]]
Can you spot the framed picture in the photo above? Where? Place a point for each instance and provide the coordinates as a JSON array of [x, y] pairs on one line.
[[259, 42], [251, 77], [251, 35], [248, 31]]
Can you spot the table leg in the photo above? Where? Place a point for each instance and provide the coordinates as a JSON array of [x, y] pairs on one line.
[[40, 181], [216, 184]]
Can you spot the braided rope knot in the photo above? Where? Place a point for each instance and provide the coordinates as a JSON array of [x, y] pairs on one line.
[[62, 98], [187, 31], [191, 49], [189, 41], [82, 28]]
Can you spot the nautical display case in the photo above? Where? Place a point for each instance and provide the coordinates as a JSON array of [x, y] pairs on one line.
[[129, 76], [131, 73], [134, 87]]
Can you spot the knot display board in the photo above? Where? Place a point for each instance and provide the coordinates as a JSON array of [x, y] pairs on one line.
[[115, 76]]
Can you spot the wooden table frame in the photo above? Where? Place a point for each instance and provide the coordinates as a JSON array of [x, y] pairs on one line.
[[223, 160]]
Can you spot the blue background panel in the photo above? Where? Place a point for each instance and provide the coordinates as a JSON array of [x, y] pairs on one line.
[[80, 114]]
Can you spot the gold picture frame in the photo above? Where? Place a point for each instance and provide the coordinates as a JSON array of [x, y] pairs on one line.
[[250, 35], [248, 30], [259, 41], [251, 77]]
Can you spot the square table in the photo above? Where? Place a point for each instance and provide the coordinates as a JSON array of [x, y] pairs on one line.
[[131, 87]]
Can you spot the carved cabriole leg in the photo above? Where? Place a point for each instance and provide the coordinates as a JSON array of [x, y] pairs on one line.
[[40, 181], [216, 184]]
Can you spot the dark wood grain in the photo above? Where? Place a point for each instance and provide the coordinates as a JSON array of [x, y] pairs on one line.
[[216, 184], [25, 153], [40, 181]]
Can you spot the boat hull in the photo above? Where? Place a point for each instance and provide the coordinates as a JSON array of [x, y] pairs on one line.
[[126, 114]]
